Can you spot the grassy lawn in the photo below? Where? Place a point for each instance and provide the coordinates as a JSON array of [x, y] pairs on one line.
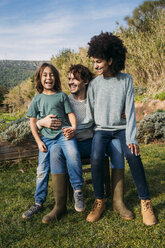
[[17, 185]]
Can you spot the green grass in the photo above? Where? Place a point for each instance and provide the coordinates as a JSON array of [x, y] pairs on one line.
[[17, 185]]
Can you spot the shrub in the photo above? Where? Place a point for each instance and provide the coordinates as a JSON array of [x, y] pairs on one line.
[[160, 96], [138, 91], [17, 131], [152, 128]]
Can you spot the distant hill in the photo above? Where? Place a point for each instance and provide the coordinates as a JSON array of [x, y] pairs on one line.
[[13, 72]]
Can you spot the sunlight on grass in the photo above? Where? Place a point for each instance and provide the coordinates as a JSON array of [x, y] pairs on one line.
[[17, 185]]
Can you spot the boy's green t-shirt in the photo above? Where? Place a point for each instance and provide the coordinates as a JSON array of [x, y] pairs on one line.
[[57, 104]]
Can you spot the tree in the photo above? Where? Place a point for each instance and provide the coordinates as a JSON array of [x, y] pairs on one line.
[[3, 91], [144, 13]]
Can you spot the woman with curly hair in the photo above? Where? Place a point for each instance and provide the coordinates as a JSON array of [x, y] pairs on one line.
[[108, 95]]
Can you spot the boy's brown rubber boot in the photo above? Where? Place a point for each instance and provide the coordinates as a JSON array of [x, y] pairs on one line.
[[97, 210], [60, 196], [147, 213]]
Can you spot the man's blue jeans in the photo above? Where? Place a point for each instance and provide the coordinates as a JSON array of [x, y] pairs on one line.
[[85, 152], [101, 141], [46, 159]]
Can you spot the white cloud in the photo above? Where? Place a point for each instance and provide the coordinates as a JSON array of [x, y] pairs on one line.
[[55, 30]]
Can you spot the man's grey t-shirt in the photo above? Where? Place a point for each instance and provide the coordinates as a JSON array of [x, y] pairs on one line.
[[79, 108]]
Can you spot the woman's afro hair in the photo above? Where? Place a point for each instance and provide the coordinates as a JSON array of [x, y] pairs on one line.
[[107, 46]]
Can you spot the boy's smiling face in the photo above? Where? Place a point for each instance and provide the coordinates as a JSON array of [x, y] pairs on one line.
[[102, 66], [48, 79]]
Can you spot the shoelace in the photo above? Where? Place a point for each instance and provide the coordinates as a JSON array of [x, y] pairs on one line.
[[34, 207], [147, 206], [96, 205], [80, 197]]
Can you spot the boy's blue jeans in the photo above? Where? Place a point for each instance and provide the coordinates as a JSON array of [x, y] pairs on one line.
[[57, 165], [46, 160], [101, 141]]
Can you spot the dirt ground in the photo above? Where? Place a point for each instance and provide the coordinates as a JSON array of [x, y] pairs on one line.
[[143, 109]]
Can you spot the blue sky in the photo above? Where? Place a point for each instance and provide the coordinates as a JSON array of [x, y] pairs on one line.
[[39, 29]]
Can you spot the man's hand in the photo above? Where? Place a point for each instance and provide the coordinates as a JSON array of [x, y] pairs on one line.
[[68, 132], [42, 146], [50, 122], [135, 148]]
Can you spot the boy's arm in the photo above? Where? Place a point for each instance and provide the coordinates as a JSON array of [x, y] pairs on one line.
[[70, 132], [36, 136], [73, 121]]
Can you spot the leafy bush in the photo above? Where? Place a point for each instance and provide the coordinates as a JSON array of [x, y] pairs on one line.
[[152, 128], [146, 63], [160, 110], [160, 96], [17, 131], [138, 91]]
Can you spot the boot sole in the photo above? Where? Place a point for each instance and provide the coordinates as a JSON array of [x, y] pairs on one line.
[[152, 224], [124, 217], [95, 219], [55, 218], [48, 222]]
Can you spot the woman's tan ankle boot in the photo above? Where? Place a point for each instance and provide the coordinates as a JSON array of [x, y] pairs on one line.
[[147, 213]]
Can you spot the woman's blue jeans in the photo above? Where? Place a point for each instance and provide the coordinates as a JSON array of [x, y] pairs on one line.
[[46, 160], [101, 141]]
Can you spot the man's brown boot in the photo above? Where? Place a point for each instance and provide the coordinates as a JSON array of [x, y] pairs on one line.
[[97, 210], [118, 194], [59, 185], [147, 213]]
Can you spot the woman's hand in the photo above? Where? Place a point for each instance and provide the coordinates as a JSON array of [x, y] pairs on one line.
[[134, 147]]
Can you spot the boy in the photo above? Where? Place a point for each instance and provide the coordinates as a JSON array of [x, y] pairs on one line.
[[51, 100]]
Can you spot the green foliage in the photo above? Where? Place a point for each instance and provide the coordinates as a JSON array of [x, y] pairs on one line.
[[66, 58], [146, 52], [152, 128], [19, 98], [160, 96], [17, 186], [160, 110], [144, 39], [142, 15], [17, 131], [3, 91], [138, 91], [13, 72]]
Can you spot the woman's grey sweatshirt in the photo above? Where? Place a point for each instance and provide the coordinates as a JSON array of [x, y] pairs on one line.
[[107, 98]]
